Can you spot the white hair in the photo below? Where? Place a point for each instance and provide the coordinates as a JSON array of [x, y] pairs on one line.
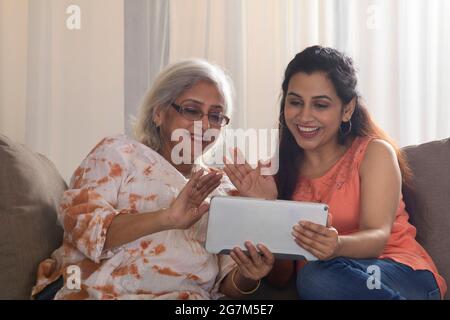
[[169, 85]]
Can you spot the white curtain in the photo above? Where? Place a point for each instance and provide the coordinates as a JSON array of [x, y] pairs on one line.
[[61, 90], [146, 50], [400, 48]]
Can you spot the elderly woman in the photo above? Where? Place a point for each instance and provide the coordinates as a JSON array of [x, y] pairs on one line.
[[134, 215]]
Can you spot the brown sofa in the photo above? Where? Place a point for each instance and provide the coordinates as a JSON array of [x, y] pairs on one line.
[[30, 188]]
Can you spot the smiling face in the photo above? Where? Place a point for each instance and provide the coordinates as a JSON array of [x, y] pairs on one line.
[[202, 96], [313, 111]]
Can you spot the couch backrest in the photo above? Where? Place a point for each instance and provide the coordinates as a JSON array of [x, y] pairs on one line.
[[429, 203], [30, 190]]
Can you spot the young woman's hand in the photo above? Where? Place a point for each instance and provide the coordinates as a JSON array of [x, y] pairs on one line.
[[248, 181], [189, 206], [255, 265], [322, 242]]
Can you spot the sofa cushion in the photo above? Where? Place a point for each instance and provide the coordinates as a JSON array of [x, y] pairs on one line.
[[30, 190], [429, 202]]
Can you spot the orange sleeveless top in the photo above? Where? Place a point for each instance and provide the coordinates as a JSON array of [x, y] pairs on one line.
[[339, 187]]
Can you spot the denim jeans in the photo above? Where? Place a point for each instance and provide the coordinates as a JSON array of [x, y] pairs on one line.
[[51, 290], [365, 279]]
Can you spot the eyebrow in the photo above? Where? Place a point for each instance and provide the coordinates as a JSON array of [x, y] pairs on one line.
[[201, 103], [315, 97]]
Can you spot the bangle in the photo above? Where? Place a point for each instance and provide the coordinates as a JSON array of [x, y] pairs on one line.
[[235, 286]]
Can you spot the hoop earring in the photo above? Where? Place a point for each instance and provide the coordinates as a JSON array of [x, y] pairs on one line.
[[349, 129]]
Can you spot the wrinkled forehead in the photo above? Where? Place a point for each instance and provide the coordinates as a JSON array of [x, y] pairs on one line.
[[205, 94]]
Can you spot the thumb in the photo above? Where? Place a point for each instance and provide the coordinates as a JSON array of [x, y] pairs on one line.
[[204, 207], [258, 168], [266, 163], [197, 212], [329, 220], [266, 168]]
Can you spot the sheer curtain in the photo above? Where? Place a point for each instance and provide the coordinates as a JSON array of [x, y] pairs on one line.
[[146, 50], [399, 47], [61, 90]]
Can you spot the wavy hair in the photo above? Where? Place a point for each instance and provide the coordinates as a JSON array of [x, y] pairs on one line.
[[341, 72], [170, 84]]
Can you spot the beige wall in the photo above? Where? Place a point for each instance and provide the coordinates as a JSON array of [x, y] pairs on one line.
[[13, 67], [73, 87]]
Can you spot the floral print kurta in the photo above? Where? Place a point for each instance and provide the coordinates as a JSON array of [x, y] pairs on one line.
[[123, 176]]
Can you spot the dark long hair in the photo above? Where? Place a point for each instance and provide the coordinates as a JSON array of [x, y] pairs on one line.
[[341, 72]]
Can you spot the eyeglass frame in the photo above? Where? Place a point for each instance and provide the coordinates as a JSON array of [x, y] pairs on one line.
[[180, 109]]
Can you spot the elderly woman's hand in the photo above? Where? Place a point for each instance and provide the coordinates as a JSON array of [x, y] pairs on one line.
[[189, 206], [256, 265]]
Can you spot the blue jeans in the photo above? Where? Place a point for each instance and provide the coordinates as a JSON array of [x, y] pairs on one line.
[[365, 279]]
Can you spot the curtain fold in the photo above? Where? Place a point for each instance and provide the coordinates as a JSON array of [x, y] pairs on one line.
[[62, 90], [146, 50], [69, 92], [399, 48], [38, 124]]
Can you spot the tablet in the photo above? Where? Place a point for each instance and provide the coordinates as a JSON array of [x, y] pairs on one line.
[[234, 220]]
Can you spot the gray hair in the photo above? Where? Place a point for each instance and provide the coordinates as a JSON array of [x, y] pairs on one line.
[[170, 84]]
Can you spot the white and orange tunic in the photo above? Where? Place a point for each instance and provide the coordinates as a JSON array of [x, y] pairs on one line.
[[123, 176]]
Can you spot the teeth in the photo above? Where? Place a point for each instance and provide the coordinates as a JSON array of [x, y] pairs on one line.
[[307, 129]]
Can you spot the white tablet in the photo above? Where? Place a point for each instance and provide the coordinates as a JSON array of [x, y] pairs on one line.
[[234, 220]]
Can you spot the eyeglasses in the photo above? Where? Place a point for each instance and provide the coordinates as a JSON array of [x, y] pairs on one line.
[[215, 119]]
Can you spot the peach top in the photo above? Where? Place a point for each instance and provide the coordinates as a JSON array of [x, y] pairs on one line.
[[339, 187], [121, 176]]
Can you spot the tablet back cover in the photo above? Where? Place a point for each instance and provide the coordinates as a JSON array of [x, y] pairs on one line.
[[234, 220]]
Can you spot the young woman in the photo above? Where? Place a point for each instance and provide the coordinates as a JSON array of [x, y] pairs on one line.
[[332, 152], [134, 217]]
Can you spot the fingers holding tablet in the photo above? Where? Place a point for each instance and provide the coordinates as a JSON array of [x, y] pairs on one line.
[[267, 256], [321, 241], [254, 265]]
